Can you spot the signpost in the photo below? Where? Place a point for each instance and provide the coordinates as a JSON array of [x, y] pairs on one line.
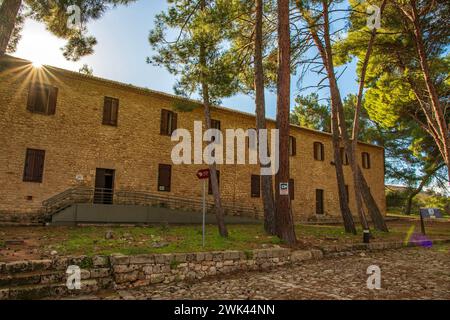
[[203, 174], [431, 213]]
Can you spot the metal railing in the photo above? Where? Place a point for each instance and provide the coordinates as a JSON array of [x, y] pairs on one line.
[[79, 195]]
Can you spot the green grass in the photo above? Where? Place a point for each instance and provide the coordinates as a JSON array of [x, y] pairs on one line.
[[138, 240], [2, 244], [188, 238]]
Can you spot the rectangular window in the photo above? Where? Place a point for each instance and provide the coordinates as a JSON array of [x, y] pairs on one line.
[[215, 124], [365, 160], [209, 182], [256, 186], [344, 157], [110, 111], [319, 201], [168, 122], [318, 151], [42, 99], [164, 177], [34, 165], [291, 189], [292, 146]]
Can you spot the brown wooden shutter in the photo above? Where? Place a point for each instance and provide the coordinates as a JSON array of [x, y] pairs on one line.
[[174, 122], [32, 94], [255, 186], [39, 165], [107, 110], [34, 165], [319, 201], [365, 160], [293, 145], [114, 111], [215, 124], [344, 157], [52, 99], [291, 189], [164, 177], [164, 124]]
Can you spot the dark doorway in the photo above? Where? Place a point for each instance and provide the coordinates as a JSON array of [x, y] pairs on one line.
[[104, 186]]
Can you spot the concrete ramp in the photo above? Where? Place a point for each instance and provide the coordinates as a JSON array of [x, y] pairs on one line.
[[135, 214]]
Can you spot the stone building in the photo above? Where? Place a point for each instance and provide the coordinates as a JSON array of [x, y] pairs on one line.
[[62, 130]]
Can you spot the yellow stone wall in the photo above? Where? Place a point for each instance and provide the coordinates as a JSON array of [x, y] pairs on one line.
[[76, 142]]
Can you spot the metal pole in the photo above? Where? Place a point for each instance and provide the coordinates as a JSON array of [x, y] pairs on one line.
[[204, 210], [422, 224]]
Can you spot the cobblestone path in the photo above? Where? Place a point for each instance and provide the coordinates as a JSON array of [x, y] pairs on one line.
[[414, 273]]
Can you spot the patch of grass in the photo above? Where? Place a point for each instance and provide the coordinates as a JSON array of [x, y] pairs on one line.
[[2, 243], [248, 254], [188, 238], [174, 264], [90, 240]]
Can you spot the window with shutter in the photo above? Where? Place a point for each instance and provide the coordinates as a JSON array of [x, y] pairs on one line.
[[319, 151], [255, 186], [164, 177], [344, 157], [209, 182], [292, 146], [169, 121], [42, 99], [34, 165], [291, 189], [319, 201], [215, 124], [366, 160], [110, 111]]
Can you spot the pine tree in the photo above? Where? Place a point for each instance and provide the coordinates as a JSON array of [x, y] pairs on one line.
[[55, 15], [198, 58]]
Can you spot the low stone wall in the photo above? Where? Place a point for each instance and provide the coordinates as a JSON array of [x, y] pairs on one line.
[[45, 278]]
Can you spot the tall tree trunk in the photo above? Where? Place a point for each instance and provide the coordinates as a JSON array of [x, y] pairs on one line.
[[375, 213], [371, 204], [284, 220], [349, 224], [355, 133], [438, 112], [266, 180], [8, 15], [347, 216], [212, 168], [336, 102]]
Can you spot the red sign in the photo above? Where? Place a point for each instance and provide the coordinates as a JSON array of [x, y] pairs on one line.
[[203, 174]]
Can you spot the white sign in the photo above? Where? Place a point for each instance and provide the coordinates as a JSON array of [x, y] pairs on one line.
[[284, 188], [79, 177]]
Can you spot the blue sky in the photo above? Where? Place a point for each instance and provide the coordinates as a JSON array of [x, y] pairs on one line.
[[123, 47]]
